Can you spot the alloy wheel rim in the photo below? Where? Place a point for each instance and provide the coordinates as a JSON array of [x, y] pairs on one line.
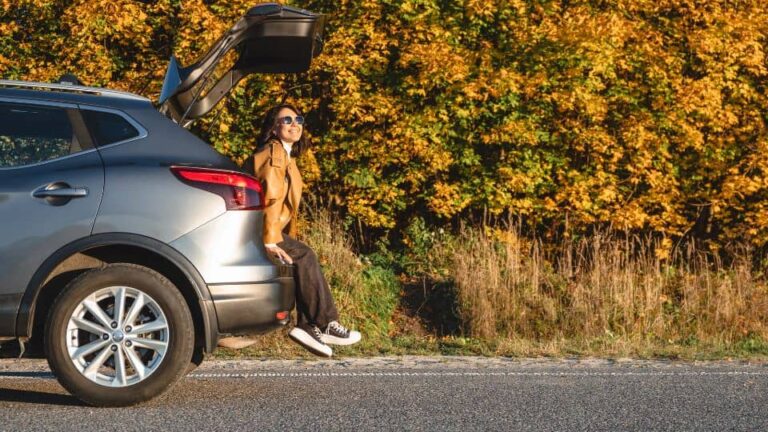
[[117, 336]]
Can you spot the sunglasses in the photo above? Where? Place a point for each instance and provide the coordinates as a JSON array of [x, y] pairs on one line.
[[287, 120]]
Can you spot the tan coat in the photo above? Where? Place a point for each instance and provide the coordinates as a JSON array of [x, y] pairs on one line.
[[282, 182]]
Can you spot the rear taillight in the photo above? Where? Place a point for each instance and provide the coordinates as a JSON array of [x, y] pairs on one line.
[[239, 191]]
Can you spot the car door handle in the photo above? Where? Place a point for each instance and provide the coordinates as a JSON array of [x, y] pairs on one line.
[[65, 192]]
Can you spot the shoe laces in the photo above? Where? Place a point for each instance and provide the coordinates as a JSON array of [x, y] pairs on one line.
[[338, 329], [316, 333]]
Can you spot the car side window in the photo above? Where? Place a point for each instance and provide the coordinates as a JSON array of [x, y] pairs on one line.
[[31, 134], [108, 128]]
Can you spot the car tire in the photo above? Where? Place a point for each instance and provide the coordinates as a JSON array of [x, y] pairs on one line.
[[152, 361]]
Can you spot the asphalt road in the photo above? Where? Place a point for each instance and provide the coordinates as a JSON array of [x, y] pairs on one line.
[[413, 394]]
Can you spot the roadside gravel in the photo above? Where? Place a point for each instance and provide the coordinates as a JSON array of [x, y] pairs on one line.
[[424, 363]]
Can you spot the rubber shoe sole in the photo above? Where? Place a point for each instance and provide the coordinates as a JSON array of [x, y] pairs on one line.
[[354, 337], [311, 344]]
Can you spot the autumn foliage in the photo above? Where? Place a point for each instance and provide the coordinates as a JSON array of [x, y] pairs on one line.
[[638, 115]]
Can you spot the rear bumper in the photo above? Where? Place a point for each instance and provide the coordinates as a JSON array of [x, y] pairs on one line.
[[250, 308]]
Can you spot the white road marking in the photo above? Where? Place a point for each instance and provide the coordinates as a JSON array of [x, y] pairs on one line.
[[463, 374], [246, 375]]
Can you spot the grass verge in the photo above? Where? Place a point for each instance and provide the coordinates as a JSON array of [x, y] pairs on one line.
[[496, 293]]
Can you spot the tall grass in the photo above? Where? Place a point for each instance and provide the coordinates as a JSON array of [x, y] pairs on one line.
[[365, 295], [509, 287], [600, 295]]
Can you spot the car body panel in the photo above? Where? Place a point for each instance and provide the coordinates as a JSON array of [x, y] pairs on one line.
[[86, 244], [228, 249], [143, 196], [33, 228], [252, 308]]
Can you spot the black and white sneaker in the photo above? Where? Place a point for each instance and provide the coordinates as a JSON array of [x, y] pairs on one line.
[[337, 334], [310, 337]]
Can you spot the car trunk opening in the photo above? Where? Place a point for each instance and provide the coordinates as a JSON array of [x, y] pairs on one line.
[[270, 38]]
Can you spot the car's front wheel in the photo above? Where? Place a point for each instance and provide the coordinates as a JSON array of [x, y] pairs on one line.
[[119, 335]]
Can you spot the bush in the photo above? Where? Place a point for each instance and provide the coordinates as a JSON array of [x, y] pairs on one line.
[[642, 115]]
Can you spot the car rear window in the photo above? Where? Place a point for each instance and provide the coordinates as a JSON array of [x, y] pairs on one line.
[[108, 128], [31, 134]]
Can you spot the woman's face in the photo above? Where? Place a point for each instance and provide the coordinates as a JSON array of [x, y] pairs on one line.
[[289, 133]]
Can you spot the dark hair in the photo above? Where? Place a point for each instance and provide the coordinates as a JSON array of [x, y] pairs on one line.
[[269, 123]]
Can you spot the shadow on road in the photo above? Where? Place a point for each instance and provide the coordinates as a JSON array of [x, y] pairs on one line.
[[9, 392], [36, 397]]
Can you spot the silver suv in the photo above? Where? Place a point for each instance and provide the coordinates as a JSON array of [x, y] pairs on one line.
[[128, 245]]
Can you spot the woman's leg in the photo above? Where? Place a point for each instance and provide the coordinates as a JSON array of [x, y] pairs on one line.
[[314, 302]]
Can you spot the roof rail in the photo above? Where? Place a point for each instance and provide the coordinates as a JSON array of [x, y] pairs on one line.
[[31, 85]]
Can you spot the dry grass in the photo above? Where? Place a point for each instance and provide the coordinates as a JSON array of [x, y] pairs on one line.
[[509, 288], [342, 268], [599, 296], [364, 295]]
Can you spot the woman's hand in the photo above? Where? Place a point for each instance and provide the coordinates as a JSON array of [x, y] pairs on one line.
[[278, 253]]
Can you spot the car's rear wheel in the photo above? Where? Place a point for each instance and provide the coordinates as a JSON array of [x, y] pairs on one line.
[[119, 335]]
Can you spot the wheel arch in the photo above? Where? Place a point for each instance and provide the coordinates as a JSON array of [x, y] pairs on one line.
[[101, 249]]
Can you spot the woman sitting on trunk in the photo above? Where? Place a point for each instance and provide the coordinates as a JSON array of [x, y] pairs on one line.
[[280, 143]]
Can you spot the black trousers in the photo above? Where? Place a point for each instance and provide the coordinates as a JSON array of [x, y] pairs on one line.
[[314, 302]]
